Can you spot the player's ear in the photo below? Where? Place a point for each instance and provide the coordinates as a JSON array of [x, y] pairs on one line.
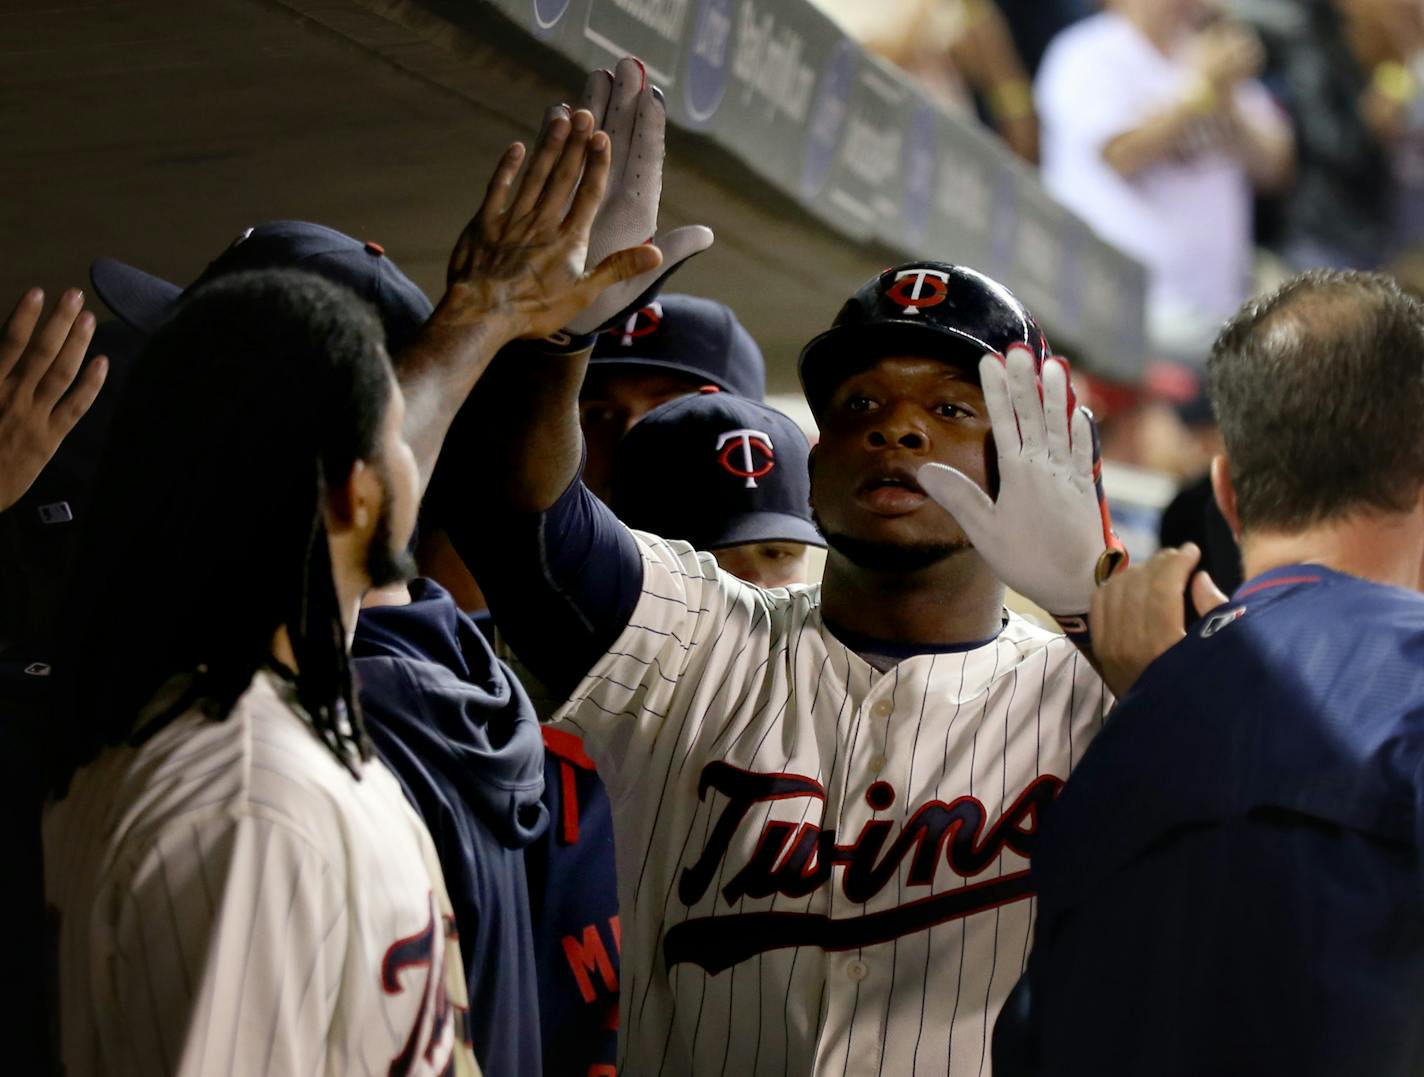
[[355, 503], [1225, 493]]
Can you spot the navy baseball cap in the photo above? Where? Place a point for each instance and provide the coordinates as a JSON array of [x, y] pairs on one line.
[[690, 335], [144, 301], [716, 470]]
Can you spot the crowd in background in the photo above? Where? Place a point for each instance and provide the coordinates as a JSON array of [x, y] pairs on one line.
[[1223, 143]]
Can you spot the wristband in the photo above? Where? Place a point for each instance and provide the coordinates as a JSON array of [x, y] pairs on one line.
[[1394, 82], [1201, 97], [1011, 100], [564, 342]]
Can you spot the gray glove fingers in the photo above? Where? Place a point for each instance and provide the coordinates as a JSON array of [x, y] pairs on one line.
[[1055, 408], [1023, 392], [1085, 437], [962, 498], [596, 92], [629, 80], [643, 175], [993, 379]]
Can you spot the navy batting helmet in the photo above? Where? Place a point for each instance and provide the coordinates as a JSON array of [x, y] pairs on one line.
[[934, 309]]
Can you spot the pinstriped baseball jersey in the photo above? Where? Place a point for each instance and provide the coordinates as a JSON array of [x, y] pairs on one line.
[[822, 867], [231, 900]]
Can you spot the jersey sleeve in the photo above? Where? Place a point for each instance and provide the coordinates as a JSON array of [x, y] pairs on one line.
[[561, 584], [229, 944], [693, 627]]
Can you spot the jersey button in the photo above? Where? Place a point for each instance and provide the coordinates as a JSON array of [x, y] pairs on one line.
[[857, 971], [877, 763], [882, 708]]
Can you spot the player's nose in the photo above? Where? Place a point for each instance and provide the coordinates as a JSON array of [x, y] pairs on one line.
[[898, 425]]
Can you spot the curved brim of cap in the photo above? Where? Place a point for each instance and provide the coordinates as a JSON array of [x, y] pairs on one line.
[[140, 299], [764, 527], [632, 362], [832, 356]]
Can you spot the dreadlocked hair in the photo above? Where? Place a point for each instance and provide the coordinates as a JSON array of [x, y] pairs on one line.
[[208, 530]]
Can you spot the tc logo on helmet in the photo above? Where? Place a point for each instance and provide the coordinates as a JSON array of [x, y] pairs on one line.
[[915, 289], [750, 442], [640, 324]]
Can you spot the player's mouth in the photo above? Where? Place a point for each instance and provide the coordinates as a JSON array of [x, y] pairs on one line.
[[891, 491]]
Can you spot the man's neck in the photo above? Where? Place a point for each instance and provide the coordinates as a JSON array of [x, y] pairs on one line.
[[1383, 548], [955, 601]]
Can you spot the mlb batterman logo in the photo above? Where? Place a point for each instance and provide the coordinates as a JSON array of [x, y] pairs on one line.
[[640, 323], [917, 288], [744, 464]]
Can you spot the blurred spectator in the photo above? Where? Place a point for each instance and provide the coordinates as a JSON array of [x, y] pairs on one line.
[[1340, 69], [1156, 132], [956, 49]]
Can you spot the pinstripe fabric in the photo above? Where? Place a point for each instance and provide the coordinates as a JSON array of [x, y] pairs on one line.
[[876, 965], [231, 901]]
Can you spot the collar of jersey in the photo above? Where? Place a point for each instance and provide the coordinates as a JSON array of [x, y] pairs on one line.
[[901, 650], [1285, 576]]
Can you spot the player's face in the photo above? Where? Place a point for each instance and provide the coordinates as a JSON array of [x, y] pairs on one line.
[[610, 402], [880, 426], [766, 564]]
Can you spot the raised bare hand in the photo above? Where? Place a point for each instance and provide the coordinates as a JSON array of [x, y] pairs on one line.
[[522, 258], [43, 394]]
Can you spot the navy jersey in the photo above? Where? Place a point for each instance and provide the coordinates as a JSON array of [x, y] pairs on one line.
[[573, 889], [1231, 880]]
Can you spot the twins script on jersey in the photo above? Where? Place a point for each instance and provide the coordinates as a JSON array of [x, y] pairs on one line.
[[231, 900], [822, 867]]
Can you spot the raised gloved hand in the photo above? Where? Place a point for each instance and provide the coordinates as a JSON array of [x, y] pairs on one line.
[[1047, 535], [634, 115]]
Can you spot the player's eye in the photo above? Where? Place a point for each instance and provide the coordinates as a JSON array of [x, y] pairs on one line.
[[949, 410], [860, 403], [599, 415]]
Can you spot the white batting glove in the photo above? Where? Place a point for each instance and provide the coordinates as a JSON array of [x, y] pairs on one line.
[[633, 114], [1045, 535]]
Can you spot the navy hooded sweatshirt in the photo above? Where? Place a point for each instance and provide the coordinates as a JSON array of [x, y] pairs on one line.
[[459, 732]]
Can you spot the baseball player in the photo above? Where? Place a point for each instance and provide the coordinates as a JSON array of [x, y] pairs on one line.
[[235, 887], [1231, 880], [236, 883], [670, 348], [824, 799], [726, 475]]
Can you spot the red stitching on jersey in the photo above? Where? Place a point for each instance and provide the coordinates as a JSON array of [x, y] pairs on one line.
[[1282, 582]]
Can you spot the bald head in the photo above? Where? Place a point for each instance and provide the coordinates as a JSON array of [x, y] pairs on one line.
[[1319, 390]]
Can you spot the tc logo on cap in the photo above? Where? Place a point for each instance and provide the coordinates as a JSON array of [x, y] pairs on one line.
[[917, 288], [750, 442], [640, 324]]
